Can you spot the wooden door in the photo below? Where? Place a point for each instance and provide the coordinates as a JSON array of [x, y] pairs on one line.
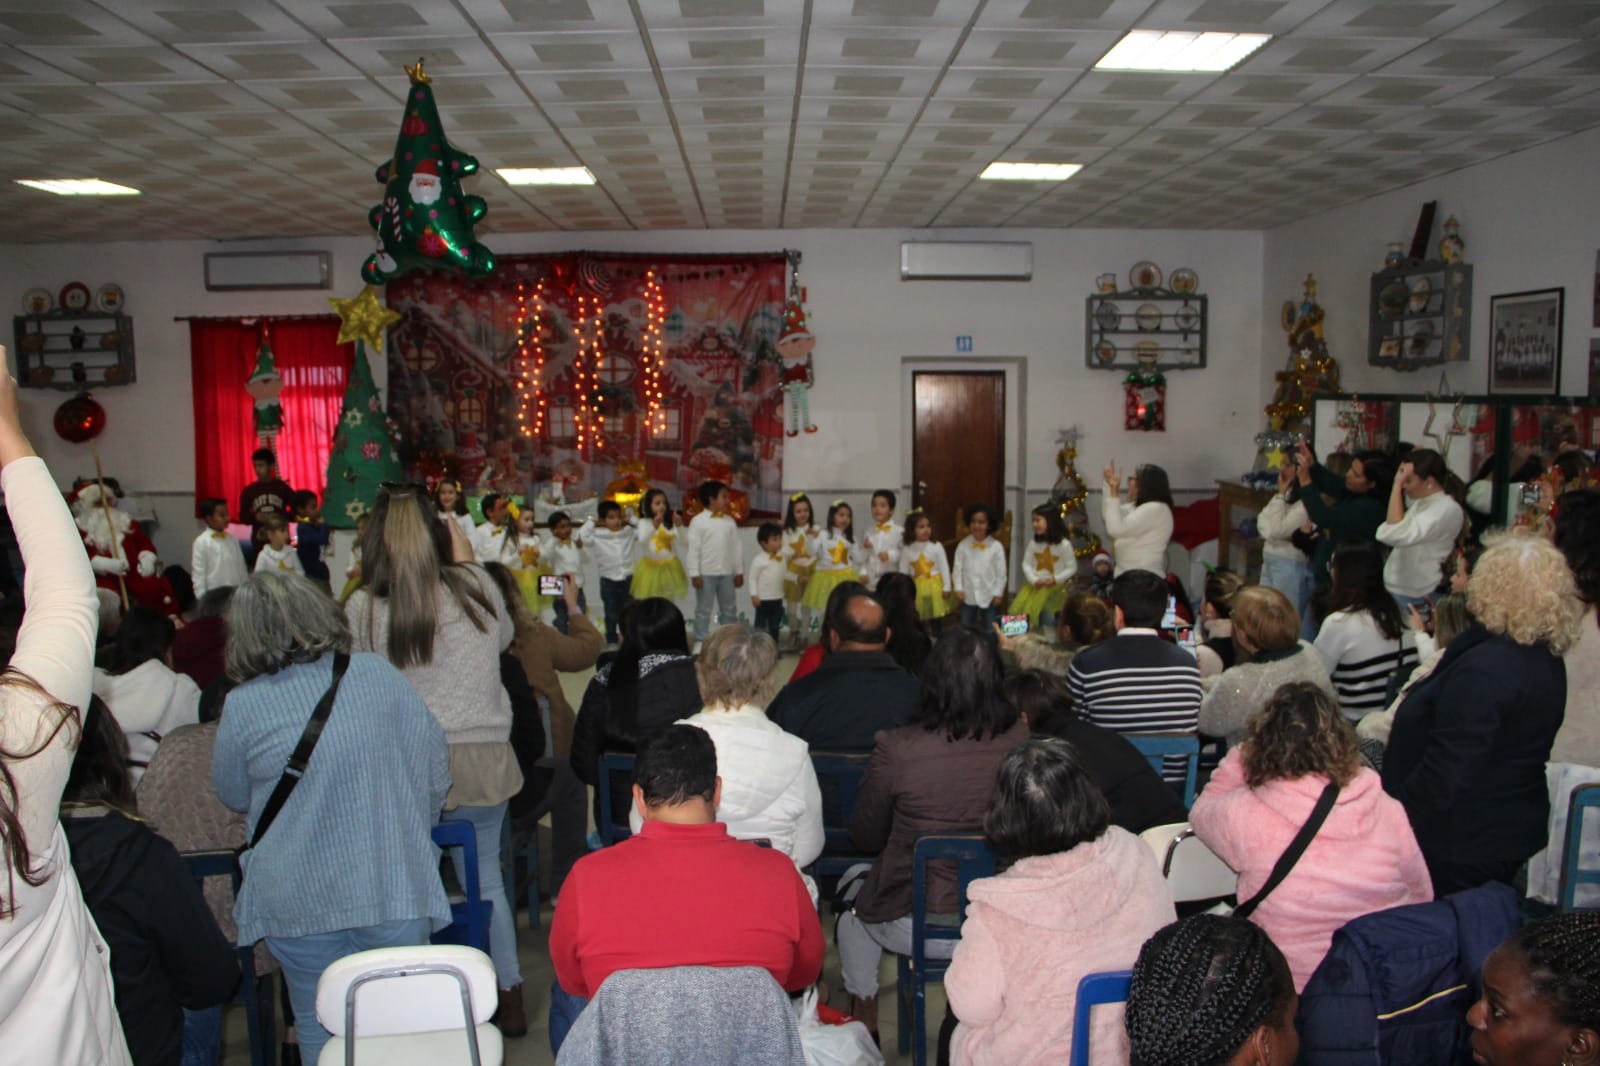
[[958, 444]]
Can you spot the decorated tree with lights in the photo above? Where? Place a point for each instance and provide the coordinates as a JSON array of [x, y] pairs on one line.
[[1070, 494], [1311, 370]]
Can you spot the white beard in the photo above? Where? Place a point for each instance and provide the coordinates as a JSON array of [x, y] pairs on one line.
[[99, 532], [425, 190]]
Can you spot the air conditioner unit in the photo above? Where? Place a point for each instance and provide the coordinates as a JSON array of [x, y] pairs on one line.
[[966, 261], [231, 271]]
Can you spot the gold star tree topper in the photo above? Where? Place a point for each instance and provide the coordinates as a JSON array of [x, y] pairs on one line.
[[363, 318]]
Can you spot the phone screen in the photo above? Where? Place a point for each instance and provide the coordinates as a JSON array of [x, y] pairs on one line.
[[1170, 619], [1014, 625], [549, 585]]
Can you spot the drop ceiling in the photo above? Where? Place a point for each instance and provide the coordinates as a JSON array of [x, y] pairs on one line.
[[254, 118]]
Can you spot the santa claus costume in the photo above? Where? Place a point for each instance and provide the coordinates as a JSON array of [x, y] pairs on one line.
[[119, 552]]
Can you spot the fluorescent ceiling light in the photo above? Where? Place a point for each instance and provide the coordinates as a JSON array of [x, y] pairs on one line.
[[1158, 50], [546, 175], [79, 187], [1030, 171]]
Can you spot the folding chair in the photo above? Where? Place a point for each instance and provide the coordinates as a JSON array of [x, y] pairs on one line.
[[469, 919], [1156, 746], [973, 860], [839, 776], [1193, 871], [1095, 990], [418, 1006], [1573, 872]]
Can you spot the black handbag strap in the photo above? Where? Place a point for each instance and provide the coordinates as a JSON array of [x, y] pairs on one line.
[[301, 756], [1291, 855]]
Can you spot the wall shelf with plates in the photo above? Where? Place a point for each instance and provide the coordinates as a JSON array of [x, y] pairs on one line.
[[1122, 327], [51, 344], [1420, 315]]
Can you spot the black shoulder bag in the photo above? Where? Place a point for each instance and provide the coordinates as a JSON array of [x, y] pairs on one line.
[[295, 769], [1291, 855]]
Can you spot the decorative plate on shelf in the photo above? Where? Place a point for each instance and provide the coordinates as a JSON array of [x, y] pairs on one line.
[[1108, 317], [1148, 316], [1145, 275], [75, 296], [1421, 290], [1392, 299], [1418, 336], [1184, 280], [1106, 352], [1187, 318], [37, 301], [109, 298], [1147, 348]]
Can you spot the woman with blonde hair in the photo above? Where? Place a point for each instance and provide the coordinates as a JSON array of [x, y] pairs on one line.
[[1468, 750], [1363, 857], [1266, 632]]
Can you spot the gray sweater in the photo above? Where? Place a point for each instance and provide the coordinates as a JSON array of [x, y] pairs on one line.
[[1242, 690]]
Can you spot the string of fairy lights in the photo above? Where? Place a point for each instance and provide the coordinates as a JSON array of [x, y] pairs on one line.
[[655, 360]]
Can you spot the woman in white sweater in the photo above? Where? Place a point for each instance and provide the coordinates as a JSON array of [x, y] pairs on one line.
[[1283, 566], [1266, 637], [1141, 528], [1423, 534], [1364, 641], [55, 973]]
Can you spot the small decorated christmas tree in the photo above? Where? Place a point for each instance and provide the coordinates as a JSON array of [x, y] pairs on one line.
[[365, 449], [1069, 493], [1311, 370]]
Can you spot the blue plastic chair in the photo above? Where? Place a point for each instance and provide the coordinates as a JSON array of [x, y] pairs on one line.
[[973, 860], [612, 763], [841, 774], [1156, 746], [255, 993], [1573, 873], [1095, 989], [469, 919]]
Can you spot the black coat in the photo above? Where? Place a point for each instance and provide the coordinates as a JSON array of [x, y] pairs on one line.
[[1467, 753], [1139, 798], [166, 950], [846, 700], [667, 691]]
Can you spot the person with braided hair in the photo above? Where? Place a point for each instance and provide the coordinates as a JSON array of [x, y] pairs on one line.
[[1541, 996], [1211, 991]]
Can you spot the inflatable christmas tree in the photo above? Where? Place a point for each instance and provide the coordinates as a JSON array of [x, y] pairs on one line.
[[365, 449]]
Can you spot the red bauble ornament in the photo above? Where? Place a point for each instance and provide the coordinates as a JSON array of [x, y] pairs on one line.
[[80, 419]]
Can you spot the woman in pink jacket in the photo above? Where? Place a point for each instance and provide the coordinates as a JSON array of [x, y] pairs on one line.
[[1363, 859], [1081, 898]]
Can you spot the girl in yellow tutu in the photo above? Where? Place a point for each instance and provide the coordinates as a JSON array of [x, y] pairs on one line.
[[838, 557], [523, 554], [925, 560], [659, 571], [800, 539], [1047, 566]]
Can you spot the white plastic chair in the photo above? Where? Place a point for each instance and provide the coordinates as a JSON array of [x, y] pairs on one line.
[[1193, 870], [417, 1006]]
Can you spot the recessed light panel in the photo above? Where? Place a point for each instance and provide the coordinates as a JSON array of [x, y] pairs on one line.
[[546, 175], [1030, 171], [78, 187], [1180, 52]]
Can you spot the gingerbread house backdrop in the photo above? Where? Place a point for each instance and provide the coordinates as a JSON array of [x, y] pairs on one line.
[[559, 372]]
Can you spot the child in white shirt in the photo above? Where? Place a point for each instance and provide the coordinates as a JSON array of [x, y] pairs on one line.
[[765, 582], [925, 560], [565, 560], [837, 557], [217, 559], [488, 540], [800, 540], [714, 557], [452, 506], [276, 554], [659, 571], [980, 570], [881, 544], [613, 542], [1047, 566]]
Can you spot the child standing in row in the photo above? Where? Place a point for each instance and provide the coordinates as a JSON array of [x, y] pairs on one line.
[[659, 571], [881, 546], [277, 554], [488, 540], [1047, 566], [924, 559], [980, 570], [566, 560], [765, 582], [800, 538], [613, 541], [522, 553], [714, 553], [311, 537], [451, 504], [837, 556], [217, 559]]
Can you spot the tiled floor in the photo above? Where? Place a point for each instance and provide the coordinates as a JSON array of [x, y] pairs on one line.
[[534, 1049]]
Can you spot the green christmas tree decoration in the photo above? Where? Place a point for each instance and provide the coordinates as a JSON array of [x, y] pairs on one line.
[[425, 220], [365, 451]]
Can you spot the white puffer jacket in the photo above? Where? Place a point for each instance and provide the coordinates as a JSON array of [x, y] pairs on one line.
[[148, 702]]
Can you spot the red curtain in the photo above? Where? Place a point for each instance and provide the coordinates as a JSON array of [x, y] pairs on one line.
[[315, 369]]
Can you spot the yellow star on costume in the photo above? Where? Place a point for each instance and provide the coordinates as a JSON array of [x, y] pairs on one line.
[[839, 552], [1046, 561], [1275, 457], [662, 541], [363, 318], [922, 567]]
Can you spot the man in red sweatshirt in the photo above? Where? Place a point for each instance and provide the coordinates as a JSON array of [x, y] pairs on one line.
[[680, 893]]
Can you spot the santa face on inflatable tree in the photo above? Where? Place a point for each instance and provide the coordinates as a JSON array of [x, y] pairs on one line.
[[119, 552]]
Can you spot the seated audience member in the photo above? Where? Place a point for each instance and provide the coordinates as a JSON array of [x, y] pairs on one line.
[[769, 787], [856, 691], [1081, 898], [1363, 858], [1137, 682], [935, 774], [1541, 996], [1364, 642], [1576, 533], [1138, 797], [648, 685], [1083, 621], [1211, 990], [1450, 619], [1467, 753], [145, 696], [909, 642], [812, 657], [1266, 631], [1217, 652], [167, 953], [198, 648], [681, 892]]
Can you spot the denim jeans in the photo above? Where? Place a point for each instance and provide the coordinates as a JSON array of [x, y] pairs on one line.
[[987, 617], [614, 595], [202, 1035], [718, 589], [564, 1010], [303, 959], [486, 823], [1292, 577], [769, 617], [560, 608]]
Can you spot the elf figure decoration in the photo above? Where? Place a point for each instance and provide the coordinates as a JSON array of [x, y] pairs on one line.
[[265, 385], [365, 449], [795, 344], [425, 220]]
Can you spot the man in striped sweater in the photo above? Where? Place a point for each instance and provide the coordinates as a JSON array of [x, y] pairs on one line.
[[1136, 682]]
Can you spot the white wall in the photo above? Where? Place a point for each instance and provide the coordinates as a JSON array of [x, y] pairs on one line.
[[867, 322], [1528, 223]]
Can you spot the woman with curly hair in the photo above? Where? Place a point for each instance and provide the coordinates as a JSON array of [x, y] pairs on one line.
[[1576, 532], [1541, 996], [1211, 991], [1469, 745], [1364, 858]]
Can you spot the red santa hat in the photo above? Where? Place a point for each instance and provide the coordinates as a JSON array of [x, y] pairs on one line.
[[794, 323], [88, 494], [428, 167], [1098, 556]]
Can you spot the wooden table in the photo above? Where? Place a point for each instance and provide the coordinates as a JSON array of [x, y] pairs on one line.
[[1232, 495]]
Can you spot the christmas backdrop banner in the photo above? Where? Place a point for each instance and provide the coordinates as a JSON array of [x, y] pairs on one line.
[[548, 375]]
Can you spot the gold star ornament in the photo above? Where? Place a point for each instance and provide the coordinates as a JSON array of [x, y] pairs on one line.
[[363, 318], [1275, 457]]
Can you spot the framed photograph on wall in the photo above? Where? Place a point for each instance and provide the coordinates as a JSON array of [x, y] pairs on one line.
[[1525, 341]]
